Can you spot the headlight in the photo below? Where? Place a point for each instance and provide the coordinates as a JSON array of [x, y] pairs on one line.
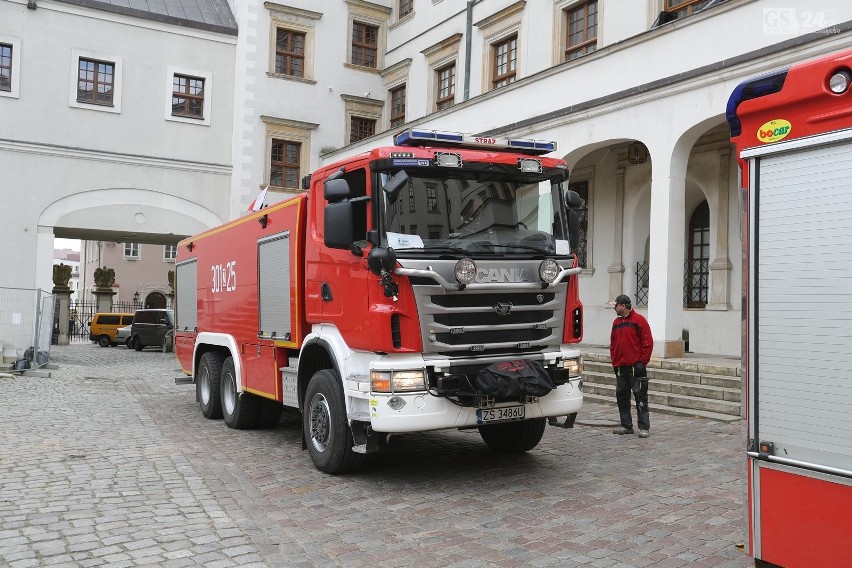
[[548, 270], [573, 366], [398, 381], [465, 271]]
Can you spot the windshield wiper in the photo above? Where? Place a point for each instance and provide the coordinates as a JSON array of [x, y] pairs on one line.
[[437, 249], [522, 247]]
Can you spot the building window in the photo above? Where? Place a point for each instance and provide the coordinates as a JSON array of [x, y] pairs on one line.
[[446, 87], [680, 8], [505, 62], [188, 96], [95, 81], [365, 43], [360, 128], [169, 253], [698, 263], [397, 97], [411, 200], [5, 67], [582, 30], [284, 164], [289, 53], [405, 7], [131, 251], [582, 252], [431, 199]]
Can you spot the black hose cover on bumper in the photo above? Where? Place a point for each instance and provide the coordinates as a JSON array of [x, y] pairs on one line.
[[513, 379]]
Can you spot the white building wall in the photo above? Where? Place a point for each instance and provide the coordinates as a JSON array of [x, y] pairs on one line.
[[72, 169]]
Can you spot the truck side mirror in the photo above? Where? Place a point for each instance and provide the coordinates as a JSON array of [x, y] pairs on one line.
[[573, 199], [574, 230], [336, 189], [338, 224], [393, 186], [381, 258]]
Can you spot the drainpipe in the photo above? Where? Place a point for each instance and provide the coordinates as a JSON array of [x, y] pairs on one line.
[[467, 44]]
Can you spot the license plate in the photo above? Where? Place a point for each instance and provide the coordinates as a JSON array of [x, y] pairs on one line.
[[486, 415]]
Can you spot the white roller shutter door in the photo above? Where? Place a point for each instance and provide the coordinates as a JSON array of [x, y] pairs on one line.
[[186, 276], [274, 285], [804, 304]]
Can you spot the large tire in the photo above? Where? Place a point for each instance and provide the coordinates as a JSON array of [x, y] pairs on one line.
[[104, 341], [137, 344], [513, 437], [238, 409], [269, 413], [207, 385], [325, 426]]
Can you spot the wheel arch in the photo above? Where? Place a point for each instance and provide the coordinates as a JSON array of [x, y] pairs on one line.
[[317, 354], [221, 343]]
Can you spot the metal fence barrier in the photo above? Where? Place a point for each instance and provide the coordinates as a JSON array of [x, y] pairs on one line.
[[26, 324]]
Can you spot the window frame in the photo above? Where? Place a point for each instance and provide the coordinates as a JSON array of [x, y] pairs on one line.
[[115, 61], [397, 97], [289, 130], [356, 117], [188, 95], [702, 209], [369, 14], [683, 8], [171, 72], [289, 54], [14, 60], [166, 256], [96, 63], [130, 255], [364, 47], [586, 175], [364, 109], [587, 42], [447, 101], [284, 164], [510, 76]]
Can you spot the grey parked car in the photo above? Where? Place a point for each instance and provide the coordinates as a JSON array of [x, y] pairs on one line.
[[152, 328], [122, 336]]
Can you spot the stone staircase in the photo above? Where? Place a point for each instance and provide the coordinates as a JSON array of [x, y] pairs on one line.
[[700, 386]]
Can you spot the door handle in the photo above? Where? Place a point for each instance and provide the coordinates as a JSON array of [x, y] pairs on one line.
[[326, 292]]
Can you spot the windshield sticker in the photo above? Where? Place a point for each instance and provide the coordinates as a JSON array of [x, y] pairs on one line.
[[773, 131], [563, 247], [403, 162], [402, 241]]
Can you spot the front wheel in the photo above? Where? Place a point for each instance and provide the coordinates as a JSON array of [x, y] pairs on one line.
[[137, 344], [513, 437], [326, 429], [104, 341]]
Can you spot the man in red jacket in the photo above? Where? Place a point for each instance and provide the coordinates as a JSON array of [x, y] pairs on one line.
[[630, 347]]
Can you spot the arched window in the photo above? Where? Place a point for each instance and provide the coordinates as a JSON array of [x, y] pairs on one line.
[[697, 281], [155, 300]]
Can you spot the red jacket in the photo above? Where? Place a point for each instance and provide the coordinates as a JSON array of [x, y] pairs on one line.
[[630, 341]]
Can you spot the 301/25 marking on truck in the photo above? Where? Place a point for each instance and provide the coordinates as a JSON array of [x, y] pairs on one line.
[[224, 277], [485, 415]]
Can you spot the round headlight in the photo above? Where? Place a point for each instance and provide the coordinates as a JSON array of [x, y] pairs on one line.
[[839, 82], [548, 270], [465, 271]]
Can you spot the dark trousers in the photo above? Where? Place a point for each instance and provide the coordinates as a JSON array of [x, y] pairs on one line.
[[625, 383]]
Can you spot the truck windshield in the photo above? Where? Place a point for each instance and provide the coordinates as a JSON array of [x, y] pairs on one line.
[[475, 214]]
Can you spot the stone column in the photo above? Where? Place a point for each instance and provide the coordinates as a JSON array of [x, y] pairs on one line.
[[665, 295], [63, 293], [104, 298], [720, 267], [616, 269]]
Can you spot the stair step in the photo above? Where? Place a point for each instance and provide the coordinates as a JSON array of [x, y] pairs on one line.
[[729, 393], [662, 409], [725, 381], [674, 365], [680, 401]]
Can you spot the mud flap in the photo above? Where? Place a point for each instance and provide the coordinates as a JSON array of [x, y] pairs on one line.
[[365, 440]]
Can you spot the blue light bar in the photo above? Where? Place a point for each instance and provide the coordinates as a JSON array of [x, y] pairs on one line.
[[753, 88], [420, 137]]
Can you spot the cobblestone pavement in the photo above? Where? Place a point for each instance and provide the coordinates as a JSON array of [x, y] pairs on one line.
[[109, 463]]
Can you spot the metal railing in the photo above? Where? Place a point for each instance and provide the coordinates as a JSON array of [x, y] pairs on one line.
[[696, 282]]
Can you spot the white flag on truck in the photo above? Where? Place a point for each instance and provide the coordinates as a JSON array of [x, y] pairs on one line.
[[257, 204]]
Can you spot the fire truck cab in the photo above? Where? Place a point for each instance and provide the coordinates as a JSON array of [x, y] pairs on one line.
[[427, 285]]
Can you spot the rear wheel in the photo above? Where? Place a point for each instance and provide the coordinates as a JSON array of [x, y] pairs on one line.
[[513, 437], [207, 383], [137, 343], [238, 410], [104, 341], [327, 432]]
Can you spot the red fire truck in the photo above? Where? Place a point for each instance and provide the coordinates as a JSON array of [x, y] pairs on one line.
[[427, 285], [793, 132]]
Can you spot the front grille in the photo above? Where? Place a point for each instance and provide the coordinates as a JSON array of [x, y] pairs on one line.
[[483, 322]]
